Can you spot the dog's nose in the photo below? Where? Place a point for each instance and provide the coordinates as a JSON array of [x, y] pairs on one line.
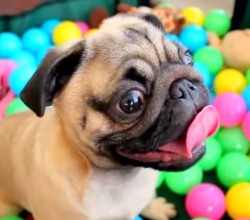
[[183, 89]]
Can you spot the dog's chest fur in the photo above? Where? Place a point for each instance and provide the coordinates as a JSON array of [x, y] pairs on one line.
[[119, 194]]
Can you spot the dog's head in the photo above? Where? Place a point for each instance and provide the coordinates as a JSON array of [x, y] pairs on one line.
[[127, 96]]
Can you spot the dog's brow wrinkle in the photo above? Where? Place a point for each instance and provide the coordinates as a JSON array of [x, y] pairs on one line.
[[97, 104], [149, 41], [84, 122]]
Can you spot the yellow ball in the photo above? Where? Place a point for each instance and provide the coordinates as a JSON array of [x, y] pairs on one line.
[[91, 31], [193, 15], [238, 200], [66, 31], [229, 80]]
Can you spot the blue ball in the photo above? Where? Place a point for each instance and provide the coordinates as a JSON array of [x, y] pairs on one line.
[[10, 43], [173, 37], [246, 96], [49, 26], [42, 53], [204, 71], [34, 39], [19, 78], [24, 58], [194, 37], [138, 218]]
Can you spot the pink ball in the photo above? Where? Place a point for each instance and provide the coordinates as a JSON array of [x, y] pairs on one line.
[[231, 108], [246, 125], [82, 26], [6, 67], [206, 200]]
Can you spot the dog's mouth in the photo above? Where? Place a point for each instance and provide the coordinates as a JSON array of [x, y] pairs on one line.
[[188, 147]]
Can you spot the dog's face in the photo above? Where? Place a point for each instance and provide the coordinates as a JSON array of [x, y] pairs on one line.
[[126, 96]]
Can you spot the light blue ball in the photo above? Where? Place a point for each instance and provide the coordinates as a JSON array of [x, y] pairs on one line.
[[19, 78], [194, 37], [34, 39], [49, 26], [10, 44], [138, 218], [173, 38], [246, 96], [42, 53], [24, 58], [204, 71]]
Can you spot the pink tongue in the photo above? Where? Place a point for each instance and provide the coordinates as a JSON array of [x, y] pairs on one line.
[[204, 125]]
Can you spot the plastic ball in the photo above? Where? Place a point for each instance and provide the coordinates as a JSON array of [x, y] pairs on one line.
[[204, 71], [238, 200], [200, 219], [19, 78], [161, 179], [248, 76], [49, 26], [231, 108], [229, 80], [66, 31], [193, 37], [193, 15], [7, 66], [24, 58], [11, 218], [211, 57], [42, 53], [246, 96], [91, 31], [138, 218], [16, 105], [181, 182], [246, 126], [212, 155], [35, 38], [10, 44], [233, 139], [206, 200], [173, 38], [83, 26], [233, 168], [218, 21]]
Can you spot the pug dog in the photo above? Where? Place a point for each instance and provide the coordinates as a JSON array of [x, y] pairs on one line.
[[126, 102]]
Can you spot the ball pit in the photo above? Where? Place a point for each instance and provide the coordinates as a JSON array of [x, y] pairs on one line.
[[234, 167], [206, 200], [11, 218], [230, 140], [240, 193]]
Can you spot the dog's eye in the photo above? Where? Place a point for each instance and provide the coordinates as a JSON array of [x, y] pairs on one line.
[[132, 102], [188, 59]]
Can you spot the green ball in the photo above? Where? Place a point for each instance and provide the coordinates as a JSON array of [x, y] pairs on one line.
[[161, 178], [200, 219], [218, 21], [11, 218], [248, 76], [233, 139], [15, 106], [181, 182], [211, 57], [213, 153], [233, 168]]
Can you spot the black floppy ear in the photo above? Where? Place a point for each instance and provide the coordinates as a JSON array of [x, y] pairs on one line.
[[153, 19], [51, 76]]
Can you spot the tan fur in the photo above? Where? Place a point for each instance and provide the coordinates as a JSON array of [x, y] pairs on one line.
[[50, 165]]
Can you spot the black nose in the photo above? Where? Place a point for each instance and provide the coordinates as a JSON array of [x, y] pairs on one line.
[[183, 89]]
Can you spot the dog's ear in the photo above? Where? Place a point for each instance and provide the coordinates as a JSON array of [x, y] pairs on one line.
[[153, 19], [51, 76]]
